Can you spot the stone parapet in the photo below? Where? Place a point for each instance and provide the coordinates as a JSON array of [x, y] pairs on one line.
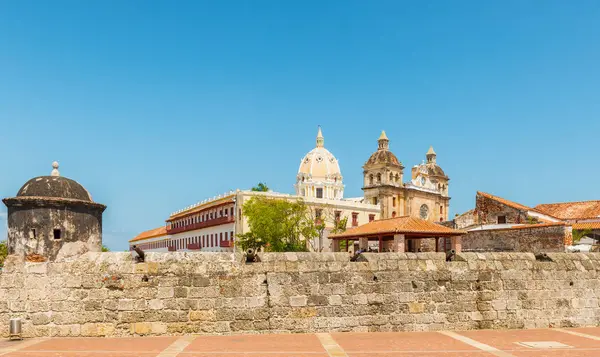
[[527, 238], [108, 294]]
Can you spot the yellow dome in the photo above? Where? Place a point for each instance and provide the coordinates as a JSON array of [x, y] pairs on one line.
[[319, 174], [319, 165]]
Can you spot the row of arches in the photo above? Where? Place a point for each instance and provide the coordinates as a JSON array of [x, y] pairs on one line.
[[392, 178]]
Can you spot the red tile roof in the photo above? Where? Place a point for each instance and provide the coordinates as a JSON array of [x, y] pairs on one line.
[[505, 201], [524, 226], [539, 225], [571, 210], [586, 225], [399, 225], [153, 233]]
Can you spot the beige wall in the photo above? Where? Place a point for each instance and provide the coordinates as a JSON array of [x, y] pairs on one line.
[[103, 294], [532, 239], [208, 246], [144, 244], [433, 202], [409, 202]]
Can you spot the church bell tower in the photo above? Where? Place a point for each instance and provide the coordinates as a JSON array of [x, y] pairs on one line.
[[383, 175]]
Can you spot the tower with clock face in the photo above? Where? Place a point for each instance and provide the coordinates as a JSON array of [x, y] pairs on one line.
[[424, 196]]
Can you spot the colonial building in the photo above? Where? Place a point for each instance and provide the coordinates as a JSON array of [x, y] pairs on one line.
[[496, 212], [53, 217], [213, 224], [500, 224], [424, 196]]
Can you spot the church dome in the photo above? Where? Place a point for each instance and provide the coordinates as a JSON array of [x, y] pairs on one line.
[[383, 155], [54, 186], [433, 169], [319, 174], [320, 164]]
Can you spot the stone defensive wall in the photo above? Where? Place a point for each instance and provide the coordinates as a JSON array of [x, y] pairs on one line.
[[108, 294], [528, 238]]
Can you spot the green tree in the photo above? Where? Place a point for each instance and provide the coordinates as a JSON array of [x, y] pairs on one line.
[[340, 227], [532, 220], [276, 225], [3, 252], [105, 248], [580, 233], [261, 187], [326, 218]]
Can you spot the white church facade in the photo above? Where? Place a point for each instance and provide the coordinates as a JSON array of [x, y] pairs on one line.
[[212, 225]]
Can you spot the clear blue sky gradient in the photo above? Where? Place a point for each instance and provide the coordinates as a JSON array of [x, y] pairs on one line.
[[155, 105]]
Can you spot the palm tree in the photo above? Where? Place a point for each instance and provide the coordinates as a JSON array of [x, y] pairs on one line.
[[261, 187]]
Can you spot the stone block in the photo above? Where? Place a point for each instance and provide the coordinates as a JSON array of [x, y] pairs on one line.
[[97, 329], [165, 292], [315, 300], [36, 268], [200, 281], [65, 330], [141, 328], [416, 308], [335, 300], [180, 292], [298, 300], [155, 304], [126, 304], [204, 292]]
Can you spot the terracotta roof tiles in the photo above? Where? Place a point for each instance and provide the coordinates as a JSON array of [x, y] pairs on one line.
[[586, 225], [505, 201], [399, 225], [571, 210], [153, 233]]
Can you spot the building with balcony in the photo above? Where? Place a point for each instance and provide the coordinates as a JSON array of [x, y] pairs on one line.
[[212, 224]]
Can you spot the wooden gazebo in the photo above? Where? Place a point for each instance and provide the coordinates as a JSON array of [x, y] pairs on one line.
[[402, 234]]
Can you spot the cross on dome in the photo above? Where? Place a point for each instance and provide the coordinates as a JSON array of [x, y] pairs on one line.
[[55, 172]]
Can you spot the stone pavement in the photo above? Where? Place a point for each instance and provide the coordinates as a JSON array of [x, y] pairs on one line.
[[575, 342]]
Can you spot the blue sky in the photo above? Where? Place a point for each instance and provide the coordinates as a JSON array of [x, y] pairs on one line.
[[155, 105]]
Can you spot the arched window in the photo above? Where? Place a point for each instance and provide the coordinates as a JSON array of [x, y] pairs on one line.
[[391, 177], [394, 214], [378, 178], [371, 179], [397, 177]]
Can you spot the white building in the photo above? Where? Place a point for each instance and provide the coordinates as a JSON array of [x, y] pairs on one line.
[[213, 224]]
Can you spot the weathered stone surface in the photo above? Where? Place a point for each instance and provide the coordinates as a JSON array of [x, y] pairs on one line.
[[299, 292], [521, 239]]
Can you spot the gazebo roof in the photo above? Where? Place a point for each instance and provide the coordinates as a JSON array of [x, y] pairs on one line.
[[400, 225]]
